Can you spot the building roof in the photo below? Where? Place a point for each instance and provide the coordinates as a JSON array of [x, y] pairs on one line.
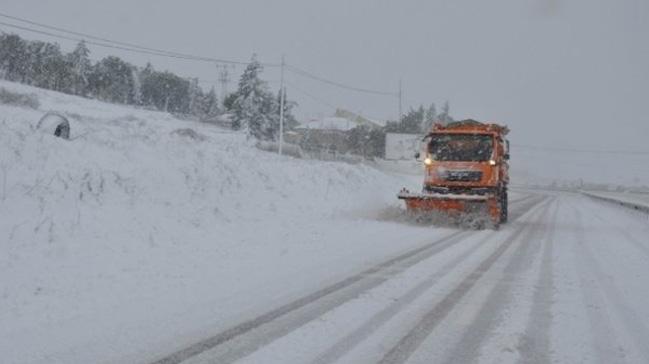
[[329, 123]]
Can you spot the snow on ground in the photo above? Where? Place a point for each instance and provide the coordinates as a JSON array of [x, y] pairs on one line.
[[631, 198], [145, 234], [330, 123], [137, 231], [564, 282]]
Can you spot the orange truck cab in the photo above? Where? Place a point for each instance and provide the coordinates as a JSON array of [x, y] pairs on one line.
[[466, 171]]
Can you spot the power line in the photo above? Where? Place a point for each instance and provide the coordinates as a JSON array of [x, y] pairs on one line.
[[326, 103], [105, 42], [84, 35], [315, 98], [310, 75], [94, 43], [576, 150], [136, 48]]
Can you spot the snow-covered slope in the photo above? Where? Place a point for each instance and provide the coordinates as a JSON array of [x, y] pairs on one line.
[[138, 225]]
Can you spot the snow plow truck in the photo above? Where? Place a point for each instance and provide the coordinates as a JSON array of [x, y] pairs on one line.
[[466, 173]]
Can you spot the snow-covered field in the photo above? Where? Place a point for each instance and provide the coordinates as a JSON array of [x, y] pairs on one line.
[[115, 242], [140, 239]]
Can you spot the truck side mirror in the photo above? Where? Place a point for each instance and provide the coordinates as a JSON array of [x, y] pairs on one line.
[[417, 155], [506, 156]]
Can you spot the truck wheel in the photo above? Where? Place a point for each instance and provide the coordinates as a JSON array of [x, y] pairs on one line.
[[504, 213]]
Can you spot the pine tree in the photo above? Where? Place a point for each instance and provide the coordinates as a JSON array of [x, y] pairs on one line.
[[35, 50], [253, 105], [56, 70], [206, 105], [211, 104], [13, 57], [431, 117], [444, 116], [412, 121], [145, 80], [112, 80], [81, 68], [228, 101]]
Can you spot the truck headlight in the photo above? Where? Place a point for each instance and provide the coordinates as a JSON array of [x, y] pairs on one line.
[[492, 162], [428, 161]]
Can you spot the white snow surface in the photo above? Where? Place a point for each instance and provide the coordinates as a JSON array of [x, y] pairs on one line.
[[330, 123], [632, 198], [145, 234], [117, 241]]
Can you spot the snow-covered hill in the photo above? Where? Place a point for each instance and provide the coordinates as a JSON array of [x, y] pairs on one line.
[[142, 226]]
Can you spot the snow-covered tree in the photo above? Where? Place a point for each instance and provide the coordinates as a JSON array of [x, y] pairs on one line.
[[35, 62], [81, 68], [42, 64], [167, 91], [254, 105], [412, 121], [431, 117], [55, 70], [210, 104], [112, 80], [445, 116], [13, 57]]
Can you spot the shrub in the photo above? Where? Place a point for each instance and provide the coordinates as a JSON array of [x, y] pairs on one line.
[[17, 99]]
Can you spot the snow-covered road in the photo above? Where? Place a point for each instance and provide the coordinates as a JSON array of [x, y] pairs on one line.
[[564, 282], [151, 239]]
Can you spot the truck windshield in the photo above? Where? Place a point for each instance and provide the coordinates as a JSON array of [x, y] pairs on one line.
[[460, 147]]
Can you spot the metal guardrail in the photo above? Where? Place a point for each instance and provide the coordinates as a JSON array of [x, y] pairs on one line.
[[632, 205]]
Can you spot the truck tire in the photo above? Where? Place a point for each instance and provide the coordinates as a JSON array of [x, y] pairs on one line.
[[504, 213]]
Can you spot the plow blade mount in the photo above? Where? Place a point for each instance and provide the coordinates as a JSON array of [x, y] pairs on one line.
[[452, 204]]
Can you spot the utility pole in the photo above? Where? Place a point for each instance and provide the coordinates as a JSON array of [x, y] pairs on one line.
[[400, 101], [281, 108]]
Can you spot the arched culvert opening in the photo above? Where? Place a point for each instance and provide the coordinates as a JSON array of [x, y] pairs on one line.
[[55, 124]]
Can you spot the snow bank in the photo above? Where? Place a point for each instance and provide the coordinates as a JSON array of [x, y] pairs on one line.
[[636, 201], [133, 230]]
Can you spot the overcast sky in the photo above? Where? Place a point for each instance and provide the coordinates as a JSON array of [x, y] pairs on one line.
[[540, 66]]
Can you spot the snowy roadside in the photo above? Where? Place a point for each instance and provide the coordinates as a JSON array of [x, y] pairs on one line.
[[137, 235], [635, 201]]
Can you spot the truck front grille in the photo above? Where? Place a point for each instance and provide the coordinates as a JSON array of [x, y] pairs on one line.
[[461, 176]]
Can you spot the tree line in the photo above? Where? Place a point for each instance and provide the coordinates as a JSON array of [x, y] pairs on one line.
[[420, 120], [253, 106], [370, 142]]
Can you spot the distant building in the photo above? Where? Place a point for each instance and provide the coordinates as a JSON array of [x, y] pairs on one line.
[[328, 134], [328, 123], [399, 146], [357, 119]]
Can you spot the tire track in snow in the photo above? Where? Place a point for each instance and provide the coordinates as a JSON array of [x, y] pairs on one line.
[[602, 334], [237, 343], [370, 277], [413, 339], [234, 345], [347, 343], [534, 345], [524, 198], [600, 290], [491, 313]]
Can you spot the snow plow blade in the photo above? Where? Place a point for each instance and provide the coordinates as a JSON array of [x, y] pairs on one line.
[[454, 205]]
